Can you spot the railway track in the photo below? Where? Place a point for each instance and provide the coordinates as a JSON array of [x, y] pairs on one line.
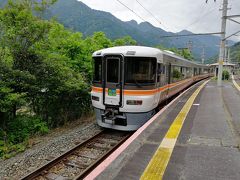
[[82, 159]]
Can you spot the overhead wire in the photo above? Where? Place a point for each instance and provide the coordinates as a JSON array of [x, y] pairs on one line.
[[192, 34], [149, 12], [199, 18], [135, 13], [170, 36], [152, 15], [131, 10], [194, 22], [203, 14]]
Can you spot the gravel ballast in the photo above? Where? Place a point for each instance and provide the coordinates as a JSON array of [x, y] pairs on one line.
[[47, 148]]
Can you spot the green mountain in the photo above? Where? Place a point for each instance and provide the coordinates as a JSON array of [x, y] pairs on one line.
[[79, 17], [235, 53]]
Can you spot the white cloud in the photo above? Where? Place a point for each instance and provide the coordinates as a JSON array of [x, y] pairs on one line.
[[175, 15]]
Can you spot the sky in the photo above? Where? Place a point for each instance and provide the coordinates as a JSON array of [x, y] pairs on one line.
[[174, 15]]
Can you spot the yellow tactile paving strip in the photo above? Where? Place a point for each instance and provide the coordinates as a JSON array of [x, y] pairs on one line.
[[159, 161], [235, 83]]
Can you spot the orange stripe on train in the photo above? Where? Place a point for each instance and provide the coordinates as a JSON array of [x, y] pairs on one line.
[[142, 92]]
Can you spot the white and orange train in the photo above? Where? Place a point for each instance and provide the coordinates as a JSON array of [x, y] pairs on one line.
[[131, 81]]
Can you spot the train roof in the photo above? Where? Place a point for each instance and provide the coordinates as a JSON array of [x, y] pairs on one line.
[[178, 58], [140, 51], [143, 51]]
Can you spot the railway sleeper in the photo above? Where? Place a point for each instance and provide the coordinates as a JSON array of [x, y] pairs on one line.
[[107, 141], [99, 146], [114, 138], [53, 176], [87, 156], [72, 164], [77, 164]]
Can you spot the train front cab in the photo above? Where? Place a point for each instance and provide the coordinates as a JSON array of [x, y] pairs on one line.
[[123, 93]]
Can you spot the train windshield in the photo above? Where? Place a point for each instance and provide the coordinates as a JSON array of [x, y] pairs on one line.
[[97, 69], [140, 70]]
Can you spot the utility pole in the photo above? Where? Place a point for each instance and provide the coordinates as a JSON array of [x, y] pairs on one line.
[[229, 60], [189, 45], [225, 51], [203, 54], [222, 44]]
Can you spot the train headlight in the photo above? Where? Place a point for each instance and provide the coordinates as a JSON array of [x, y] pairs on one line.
[[134, 102], [95, 98]]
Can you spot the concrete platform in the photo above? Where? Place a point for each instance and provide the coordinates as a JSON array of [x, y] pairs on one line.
[[206, 148]]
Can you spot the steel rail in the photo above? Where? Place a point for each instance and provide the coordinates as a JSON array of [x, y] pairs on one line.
[[104, 156], [43, 169]]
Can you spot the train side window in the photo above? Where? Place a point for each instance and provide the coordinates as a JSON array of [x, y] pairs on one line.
[[195, 72], [188, 72], [113, 70], [176, 73], [168, 73], [191, 70], [163, 76], [163, 69], [159, 71], [206, 71], [184, 72], [97, 69], [140, 70]]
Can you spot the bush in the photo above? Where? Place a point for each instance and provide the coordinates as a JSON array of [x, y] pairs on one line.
[[225, 75], [23, 127], [9, 150], [14, 138]]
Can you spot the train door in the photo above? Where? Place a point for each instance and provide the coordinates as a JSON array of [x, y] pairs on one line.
[[168, 78], [113, 81], [158, 84], [169, 74]]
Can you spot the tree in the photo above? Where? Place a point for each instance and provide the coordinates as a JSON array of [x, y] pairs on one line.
[[44, 69], [186, 54], [8, 98], [127, 40]]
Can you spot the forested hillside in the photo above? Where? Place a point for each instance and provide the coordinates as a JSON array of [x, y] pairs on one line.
[[79, 17], [45, 73], [234, 55], [235, 52]]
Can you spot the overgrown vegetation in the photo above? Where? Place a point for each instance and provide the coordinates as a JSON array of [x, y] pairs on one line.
[[225, 75], [45, 72], [235, 53]]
